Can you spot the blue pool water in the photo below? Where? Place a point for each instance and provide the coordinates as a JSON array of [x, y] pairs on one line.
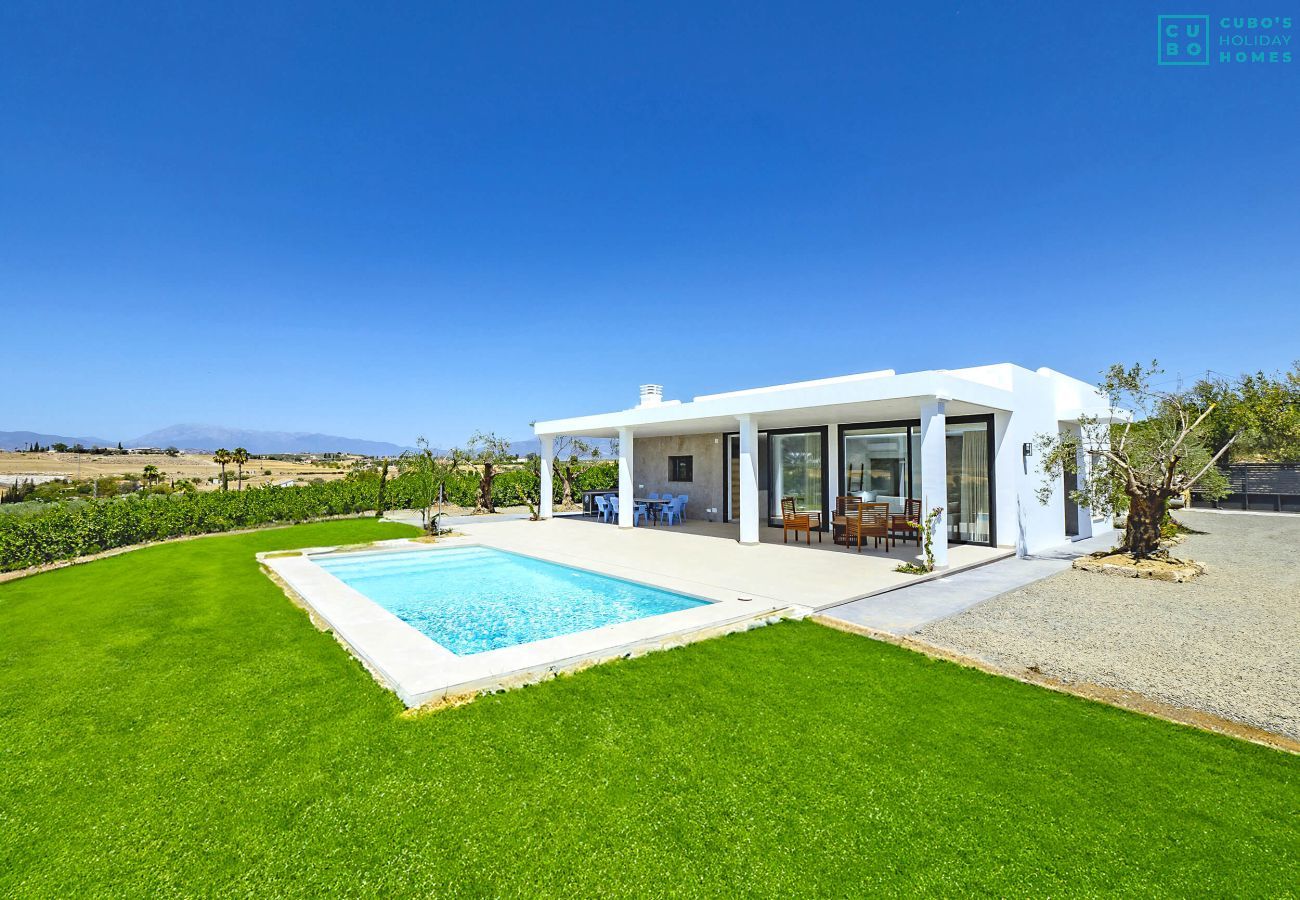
[[472, 599]]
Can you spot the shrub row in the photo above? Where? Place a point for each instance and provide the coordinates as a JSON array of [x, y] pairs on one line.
[[68, 530]]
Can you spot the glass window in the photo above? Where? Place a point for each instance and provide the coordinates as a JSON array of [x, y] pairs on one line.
[[796, 471], [876, 465], [680, 468]]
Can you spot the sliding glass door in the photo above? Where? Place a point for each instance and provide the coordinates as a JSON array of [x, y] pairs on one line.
[[882, 463], [968, 482], [796, 459]]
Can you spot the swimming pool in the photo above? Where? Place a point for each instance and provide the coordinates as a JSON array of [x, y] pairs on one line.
[[475, 599]]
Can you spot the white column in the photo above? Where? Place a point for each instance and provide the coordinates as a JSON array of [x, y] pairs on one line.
[[832, 471], [934, 473], [626, 506], [748, 479], [1008, 479], [548, 457]]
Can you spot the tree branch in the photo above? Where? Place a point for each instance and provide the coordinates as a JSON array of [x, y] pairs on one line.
[[1213, 459], [1186, 431], [1123, 438]]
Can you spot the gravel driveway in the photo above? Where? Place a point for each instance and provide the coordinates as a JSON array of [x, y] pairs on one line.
[[1227, 643]]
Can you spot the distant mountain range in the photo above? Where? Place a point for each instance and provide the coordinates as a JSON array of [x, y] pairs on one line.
[[21, 440], [210, 437]]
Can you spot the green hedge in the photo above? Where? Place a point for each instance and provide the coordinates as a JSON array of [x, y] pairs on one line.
[[68, 530]]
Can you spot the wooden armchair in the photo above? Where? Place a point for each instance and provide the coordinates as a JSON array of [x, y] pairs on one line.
[[899, 527], [844, 506], [869, 520], [792, 520]]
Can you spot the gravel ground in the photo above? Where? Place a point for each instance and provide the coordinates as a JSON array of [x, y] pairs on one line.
[[1227, 643]]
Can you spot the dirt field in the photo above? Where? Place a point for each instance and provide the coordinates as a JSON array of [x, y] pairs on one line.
[[199, 468]]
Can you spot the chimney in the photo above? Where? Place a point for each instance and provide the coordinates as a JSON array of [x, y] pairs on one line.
[[651, 395]]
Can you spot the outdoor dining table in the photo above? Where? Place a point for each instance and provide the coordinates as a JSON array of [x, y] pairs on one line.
[[655, 506], [839, 522]]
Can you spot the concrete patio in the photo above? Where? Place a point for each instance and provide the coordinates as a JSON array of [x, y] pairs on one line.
[[706, 559], [907, 610]]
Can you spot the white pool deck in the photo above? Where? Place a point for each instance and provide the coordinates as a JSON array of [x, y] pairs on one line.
[[707, 556], [745, 585]]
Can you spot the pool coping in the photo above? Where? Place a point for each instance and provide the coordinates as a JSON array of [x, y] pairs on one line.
[[421, 671]]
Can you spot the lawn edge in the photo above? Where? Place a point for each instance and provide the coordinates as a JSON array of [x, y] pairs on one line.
[[1132, 701], [118, 551]]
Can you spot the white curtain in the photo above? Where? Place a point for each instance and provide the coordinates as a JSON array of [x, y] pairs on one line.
[[974, 524]]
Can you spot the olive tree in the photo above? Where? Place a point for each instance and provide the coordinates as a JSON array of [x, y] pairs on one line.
[[427, 472], [1158, 453], [569, 455], [484, 453]]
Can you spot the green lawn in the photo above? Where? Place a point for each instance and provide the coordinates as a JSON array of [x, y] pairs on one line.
[[171, 724]]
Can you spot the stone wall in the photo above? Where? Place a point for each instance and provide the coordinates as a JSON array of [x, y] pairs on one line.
[[706, 488]]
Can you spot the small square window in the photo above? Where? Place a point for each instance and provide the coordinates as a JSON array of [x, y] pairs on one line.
[[680, 468]]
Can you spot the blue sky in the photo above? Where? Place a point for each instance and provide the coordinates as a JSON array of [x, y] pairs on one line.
[[384, 220]]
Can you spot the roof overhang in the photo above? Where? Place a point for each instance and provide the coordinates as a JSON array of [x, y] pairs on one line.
[[874, 396]]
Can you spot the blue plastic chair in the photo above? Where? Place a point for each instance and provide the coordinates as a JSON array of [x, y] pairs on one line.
[[671, 510], [613, 507], [682, 500], [653, 495], [639, 512], [602, 504]]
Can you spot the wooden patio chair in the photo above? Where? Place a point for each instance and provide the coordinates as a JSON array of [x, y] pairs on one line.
[[844, 506], [792, 520], [870, 520], [899, 527]]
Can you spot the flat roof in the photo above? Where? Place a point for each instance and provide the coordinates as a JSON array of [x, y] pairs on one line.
[[890, 395]]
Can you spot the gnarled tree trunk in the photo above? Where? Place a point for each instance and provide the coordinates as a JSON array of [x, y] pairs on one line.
[[485, 488], [1146, 513], [566, 479], [383, 486]]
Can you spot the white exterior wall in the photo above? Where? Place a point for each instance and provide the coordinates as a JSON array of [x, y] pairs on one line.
[[1044, 401], [1038, 526]]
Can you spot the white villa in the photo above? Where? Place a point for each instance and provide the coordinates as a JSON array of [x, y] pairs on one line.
[[960, 439]]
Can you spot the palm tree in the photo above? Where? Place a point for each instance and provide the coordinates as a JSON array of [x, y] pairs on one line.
[[151, 474], [239, 457], [222, 458]]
